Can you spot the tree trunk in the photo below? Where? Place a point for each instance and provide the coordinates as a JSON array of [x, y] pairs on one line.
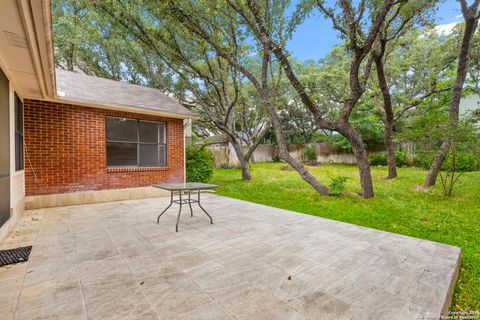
[[246, 171], [364, 170], [361, 156], [304, 174], [391, 160], [436, 166], [278, 130], [388, 108], [244, 161], [471, 22]]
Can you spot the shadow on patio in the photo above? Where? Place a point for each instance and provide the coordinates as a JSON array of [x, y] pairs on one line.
[[112, 260]]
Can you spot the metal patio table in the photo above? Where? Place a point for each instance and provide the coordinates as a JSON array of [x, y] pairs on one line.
[[184, 192]]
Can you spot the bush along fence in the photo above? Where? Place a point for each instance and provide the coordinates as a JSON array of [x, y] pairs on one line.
[[408, 154], [224, 156]]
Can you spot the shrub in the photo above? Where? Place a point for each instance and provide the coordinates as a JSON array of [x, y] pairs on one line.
[[401, 158], [423, 159], [309, 153], [276, 158], [464, 162], [337, 185], [378, 159], [199, 163], [312, 163]]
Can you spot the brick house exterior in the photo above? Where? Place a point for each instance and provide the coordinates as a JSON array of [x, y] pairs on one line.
[[65, 150], [68, 138]]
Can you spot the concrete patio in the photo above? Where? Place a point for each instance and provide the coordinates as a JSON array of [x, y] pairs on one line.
[[112, 261]]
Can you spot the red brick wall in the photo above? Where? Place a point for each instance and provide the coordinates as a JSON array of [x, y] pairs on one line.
[[65, 150]]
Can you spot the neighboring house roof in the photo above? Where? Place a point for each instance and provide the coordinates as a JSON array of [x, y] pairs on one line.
[[80, 87]]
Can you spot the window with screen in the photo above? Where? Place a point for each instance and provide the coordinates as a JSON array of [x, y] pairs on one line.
[[135, 143], [19, 161]]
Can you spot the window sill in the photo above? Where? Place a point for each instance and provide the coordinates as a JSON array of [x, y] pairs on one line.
[[136, 169], [18, 173]]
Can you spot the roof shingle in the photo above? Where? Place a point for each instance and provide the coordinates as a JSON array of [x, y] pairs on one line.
[[81, 87]]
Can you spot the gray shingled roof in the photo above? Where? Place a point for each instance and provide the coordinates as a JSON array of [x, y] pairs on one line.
[[77, 86]]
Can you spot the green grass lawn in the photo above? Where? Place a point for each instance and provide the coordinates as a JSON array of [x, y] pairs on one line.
[[399, 206]]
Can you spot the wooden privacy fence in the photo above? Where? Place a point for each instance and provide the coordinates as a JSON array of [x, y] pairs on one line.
[[224, 156]]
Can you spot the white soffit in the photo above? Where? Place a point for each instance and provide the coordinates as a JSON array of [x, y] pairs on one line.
[[26, 52]]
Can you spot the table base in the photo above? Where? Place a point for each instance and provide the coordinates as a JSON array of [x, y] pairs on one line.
[[181, 201]]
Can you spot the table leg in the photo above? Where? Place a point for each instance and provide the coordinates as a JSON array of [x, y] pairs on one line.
[[171, 202], [211, 220], [179, 211], [190, 204]]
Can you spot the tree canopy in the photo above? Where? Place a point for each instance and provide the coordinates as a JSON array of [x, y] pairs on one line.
[[229, 61]]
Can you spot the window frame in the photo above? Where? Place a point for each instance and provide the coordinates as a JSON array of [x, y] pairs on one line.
[[19, 136], [138, 142]]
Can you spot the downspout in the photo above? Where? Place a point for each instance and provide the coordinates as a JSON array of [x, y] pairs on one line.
[[185, 124]]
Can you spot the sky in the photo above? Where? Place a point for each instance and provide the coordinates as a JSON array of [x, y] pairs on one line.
[[315, 37]]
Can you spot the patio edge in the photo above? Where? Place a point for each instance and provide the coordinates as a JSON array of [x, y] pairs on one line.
[[451, 289], [447, 302]]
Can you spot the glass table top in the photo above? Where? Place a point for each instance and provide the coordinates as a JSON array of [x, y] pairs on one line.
[[185, 186]]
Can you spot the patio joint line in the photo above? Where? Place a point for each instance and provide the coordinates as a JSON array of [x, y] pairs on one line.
[[210, 296], [229, 268], [272, 266], [252, 282], [26, 268], [247, 253], [191, 279], [76, 264], [159, 316]]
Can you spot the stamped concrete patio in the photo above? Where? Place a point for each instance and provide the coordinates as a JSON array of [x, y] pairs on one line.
[[112, 261]]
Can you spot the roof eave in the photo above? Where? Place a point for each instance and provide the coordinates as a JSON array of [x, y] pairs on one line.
[[124, 108], [37, 20]]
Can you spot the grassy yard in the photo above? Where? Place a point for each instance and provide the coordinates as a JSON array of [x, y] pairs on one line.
[[399, 206]]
